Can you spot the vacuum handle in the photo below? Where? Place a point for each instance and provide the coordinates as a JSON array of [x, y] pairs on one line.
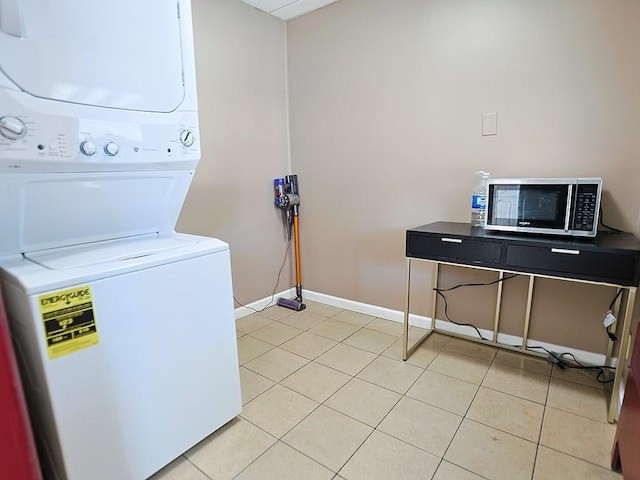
[[292, 183]]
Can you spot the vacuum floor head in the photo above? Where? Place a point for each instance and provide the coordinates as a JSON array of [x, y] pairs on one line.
[[293, 304]]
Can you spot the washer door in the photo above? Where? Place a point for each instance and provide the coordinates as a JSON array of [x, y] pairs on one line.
[[123, 54]]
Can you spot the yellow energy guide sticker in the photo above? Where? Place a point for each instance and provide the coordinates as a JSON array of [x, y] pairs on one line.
[[69, 321]]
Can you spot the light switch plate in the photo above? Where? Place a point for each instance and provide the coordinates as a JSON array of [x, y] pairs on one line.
[[489, 124]]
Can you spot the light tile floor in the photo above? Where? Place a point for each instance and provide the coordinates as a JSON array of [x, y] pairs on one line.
[[327, 396]]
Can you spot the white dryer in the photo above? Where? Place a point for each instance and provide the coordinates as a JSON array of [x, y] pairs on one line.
[[124, 329]]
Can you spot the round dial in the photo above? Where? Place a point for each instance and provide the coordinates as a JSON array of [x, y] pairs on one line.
[[187, 138], [12, 128], [111, 149], [87, 148]]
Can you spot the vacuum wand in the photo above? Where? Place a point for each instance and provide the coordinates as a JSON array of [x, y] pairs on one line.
[[288, 200]]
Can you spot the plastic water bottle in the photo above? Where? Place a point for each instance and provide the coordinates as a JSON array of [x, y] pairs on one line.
[[479, 200]]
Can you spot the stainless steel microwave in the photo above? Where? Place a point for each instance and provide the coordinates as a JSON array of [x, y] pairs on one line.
[[550, 206]]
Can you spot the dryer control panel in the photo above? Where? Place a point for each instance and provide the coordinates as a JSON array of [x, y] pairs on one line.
[[40, 142]]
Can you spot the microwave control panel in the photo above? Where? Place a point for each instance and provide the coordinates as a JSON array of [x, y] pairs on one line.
[[586, 202]]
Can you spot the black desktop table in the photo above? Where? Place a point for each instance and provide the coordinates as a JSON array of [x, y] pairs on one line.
[[610, 259]]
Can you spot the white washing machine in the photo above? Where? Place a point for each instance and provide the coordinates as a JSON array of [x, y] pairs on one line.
[[129, 349], [124, 329]]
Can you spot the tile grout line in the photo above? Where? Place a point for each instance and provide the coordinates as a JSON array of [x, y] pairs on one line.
[[378, 355], [606, 469], [605, 422], [319, 363], [402, 396], [424, 369], [375, 429], [544, 413], [460, 424], [280, 439], [336, 473], [441, 459], [195, 466]]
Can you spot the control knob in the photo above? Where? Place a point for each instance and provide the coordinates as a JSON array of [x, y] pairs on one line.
[[111, 149], [12, 128], [87, 148], [187, 138]]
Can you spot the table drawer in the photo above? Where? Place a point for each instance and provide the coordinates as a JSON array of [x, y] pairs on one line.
[[443, 248], [575, 263]]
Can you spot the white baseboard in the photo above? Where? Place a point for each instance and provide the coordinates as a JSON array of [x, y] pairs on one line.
[[583, 356], [373, 310], [261, 304]]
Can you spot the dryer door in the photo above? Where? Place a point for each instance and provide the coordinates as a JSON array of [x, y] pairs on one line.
[[122, 54]]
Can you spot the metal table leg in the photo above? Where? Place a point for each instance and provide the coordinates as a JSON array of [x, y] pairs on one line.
[[405, 329], [527, 315], [623, 353], [406, 350], [616, 313], [496, 320]]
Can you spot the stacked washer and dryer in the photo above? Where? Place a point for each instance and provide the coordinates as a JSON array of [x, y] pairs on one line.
[[123, 328]]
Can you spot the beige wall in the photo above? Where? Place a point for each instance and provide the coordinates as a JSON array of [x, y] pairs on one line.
[[386, 99], [240, 58]]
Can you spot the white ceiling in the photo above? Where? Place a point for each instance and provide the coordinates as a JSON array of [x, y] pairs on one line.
[[288, 9]]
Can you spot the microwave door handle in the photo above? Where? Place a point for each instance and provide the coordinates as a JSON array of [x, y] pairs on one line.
[[569, 209], [11, 18]]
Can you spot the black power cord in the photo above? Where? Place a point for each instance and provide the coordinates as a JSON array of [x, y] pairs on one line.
[[446, 304], [273, 294], [555, 358], [558, 359], [607, 226]]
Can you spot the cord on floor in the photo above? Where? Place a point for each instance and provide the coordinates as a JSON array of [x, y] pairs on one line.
[[273, 294]]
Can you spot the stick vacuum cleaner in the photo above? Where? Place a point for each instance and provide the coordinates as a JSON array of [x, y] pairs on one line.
[[288, 200]]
